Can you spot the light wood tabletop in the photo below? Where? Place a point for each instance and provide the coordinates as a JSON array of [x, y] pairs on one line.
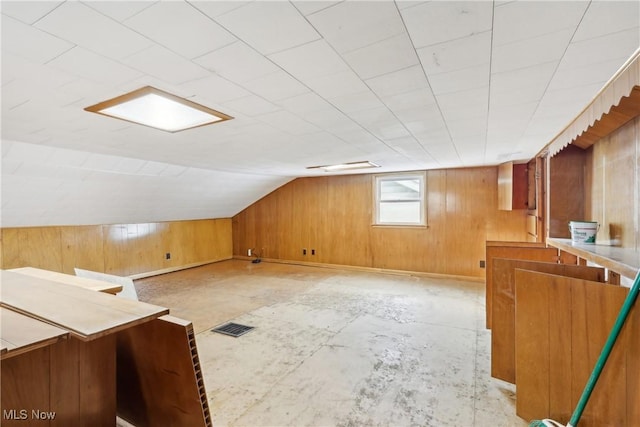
[[20, 334], [85, 313], [91, 284]]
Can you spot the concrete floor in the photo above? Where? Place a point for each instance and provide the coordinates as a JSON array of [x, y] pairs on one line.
[[338, 348]]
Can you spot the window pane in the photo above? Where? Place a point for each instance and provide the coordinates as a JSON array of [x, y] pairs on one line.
[[400, 189], [400, 212]]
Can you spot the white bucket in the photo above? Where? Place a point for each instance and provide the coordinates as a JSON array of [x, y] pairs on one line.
[[583, 231]]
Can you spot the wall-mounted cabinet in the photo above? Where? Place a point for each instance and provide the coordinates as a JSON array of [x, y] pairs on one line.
[[512, 186]]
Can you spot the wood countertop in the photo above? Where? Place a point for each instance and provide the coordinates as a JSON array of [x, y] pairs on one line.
[[20, 334], [91, 284], [86, 314]]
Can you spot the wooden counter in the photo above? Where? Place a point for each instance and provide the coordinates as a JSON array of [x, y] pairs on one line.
[[152, 355], [73, 379], [625, 262], [20, 334], [86, 314], [91, 284]]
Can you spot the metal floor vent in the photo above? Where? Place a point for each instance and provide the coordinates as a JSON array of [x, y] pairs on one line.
[[233, 329]]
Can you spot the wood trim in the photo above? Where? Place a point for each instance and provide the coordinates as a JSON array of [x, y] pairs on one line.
[[624, 83], [146, 90], [367, 269], [177, 268]]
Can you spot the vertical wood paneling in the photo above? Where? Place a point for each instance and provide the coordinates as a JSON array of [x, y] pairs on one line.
[[503, 307], [557, 348], [632, 329], [25, 379], [120, 249], [567, 192], [334, 216], [82, 248], [532, 346], [505, 186], [288, 247], [607, 405], [520, 250], [115, 249], [11, 248], [612, 182], [43, 246], [350, 223], [65, 363], [97, 381], [560, 345]]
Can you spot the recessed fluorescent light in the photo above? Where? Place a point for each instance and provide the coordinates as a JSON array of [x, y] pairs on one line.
[[346, 166], [152, 107]]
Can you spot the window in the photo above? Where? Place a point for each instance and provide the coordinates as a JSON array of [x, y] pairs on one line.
[[400, 199]]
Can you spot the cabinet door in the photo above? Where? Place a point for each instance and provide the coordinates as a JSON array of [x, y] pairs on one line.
[[532, 251], [561, 326], [503, 365]]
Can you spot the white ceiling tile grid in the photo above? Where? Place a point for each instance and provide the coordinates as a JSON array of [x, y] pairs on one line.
[[408, 84]]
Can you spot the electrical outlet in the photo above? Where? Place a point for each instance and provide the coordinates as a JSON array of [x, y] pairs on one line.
[[482, 263], [304, 251], [249, 252], [313, 251], [167, 255]]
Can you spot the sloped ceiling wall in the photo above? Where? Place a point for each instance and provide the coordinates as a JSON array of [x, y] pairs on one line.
[[407, 84]]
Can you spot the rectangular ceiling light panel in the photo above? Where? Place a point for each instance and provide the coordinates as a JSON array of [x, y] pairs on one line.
[[152, 107], [346, 166]]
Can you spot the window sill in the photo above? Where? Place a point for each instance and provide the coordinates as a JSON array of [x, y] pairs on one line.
[[425, 226]]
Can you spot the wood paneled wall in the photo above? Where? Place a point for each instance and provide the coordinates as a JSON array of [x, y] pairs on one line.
[[612, 186], [120, 249], [566, 191], [333, 216]]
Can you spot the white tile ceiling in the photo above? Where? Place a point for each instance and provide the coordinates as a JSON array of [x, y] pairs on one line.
[[406, 84]]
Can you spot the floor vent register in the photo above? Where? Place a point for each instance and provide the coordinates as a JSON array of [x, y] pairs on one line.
[[233, 329]]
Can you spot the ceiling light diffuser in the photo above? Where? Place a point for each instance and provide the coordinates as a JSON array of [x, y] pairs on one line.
[[346, 166], [152, 107]]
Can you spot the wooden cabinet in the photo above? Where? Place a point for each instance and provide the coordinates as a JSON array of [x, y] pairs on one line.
[[80, 357], [562, 324], [549, 321], [503, 306], [512, 186]]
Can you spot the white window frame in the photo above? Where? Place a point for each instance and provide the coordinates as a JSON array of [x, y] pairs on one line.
[[378, 179]]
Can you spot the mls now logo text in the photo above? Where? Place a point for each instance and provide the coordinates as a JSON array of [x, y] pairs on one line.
[[23, 414]]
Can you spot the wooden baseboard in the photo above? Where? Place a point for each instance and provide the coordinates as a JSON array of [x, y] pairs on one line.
[[367, 269], [177, 268]]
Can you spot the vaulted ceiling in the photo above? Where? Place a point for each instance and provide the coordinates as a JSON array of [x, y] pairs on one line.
[[407, 84]]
